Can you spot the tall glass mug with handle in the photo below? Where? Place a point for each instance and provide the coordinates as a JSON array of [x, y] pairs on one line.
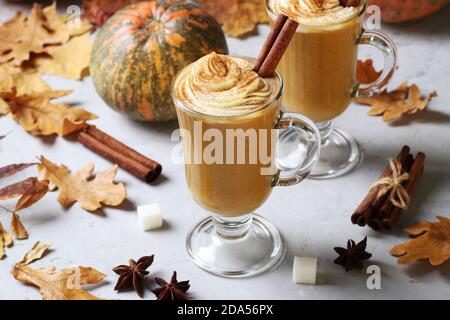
[[319, 70], [228, 118]]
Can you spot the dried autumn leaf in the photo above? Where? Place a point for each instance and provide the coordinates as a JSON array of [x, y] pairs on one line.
[[431, 241], [98, 11], [43, 28], [37, 191], [403, 100], [37, 252], [24, 82], [366, 73], [18, 228], [12, 169], [59, 285], [56, 285], [18, 41], [79, 187], [37, 115], [69, 61], [4, 108], [17, 189], [238, 17], [5, 241], [30, 191], [64, 26]]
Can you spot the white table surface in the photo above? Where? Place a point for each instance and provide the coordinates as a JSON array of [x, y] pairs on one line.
[[313, 216]]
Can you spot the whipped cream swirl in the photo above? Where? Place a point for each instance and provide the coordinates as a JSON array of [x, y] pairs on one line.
[[314, 12], [223, 85]]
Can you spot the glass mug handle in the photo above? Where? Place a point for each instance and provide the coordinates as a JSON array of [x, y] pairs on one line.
[[307, 132], [389, 50]]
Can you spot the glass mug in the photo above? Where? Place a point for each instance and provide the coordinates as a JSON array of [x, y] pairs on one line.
[[319, 69], [234, 242]]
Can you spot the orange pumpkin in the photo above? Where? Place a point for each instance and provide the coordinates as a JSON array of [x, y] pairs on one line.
[[395, 11]]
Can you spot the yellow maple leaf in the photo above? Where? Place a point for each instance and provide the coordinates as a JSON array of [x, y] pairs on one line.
[[37, 115], [12, 78], [70, 60], [34, 33], [23, 82], [79, 187], [64, 26], [431, 241], [56, 285]]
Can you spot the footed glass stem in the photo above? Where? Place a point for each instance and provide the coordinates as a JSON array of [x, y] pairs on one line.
[[339, 153], [235, 247]]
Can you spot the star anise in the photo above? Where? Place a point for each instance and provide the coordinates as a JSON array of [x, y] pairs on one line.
[[171, 291], [353, 256], [133, 275]]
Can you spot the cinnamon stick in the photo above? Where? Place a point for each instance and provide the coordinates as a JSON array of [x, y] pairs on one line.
[[275, 45], [270, 40], [414, 176], [116, 152], [122, 148], [363, 214]]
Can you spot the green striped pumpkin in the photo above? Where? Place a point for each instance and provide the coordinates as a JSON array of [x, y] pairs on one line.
[[141, 48]]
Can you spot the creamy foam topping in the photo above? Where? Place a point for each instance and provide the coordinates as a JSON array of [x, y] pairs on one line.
[[314, 12], [223, 85]]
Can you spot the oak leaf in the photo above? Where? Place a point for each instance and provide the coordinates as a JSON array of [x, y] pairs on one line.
[[56, 285], [80, 187], [37, 115], [5, 241], [366, 73], [402, 101], [431, 241]]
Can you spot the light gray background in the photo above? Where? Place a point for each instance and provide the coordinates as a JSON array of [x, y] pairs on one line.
[[313, 216]]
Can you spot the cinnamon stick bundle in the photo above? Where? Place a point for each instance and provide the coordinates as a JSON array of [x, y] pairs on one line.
[[379, 212], [115, 151]]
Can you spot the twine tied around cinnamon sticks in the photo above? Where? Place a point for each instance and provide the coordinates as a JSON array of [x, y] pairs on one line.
[[397, 182], [398, 195]]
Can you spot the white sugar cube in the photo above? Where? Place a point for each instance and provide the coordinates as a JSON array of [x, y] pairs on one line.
[[150, 216], [304, 270]]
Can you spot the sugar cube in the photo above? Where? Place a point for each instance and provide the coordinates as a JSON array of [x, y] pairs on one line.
[[150, 216], [304, 270]]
